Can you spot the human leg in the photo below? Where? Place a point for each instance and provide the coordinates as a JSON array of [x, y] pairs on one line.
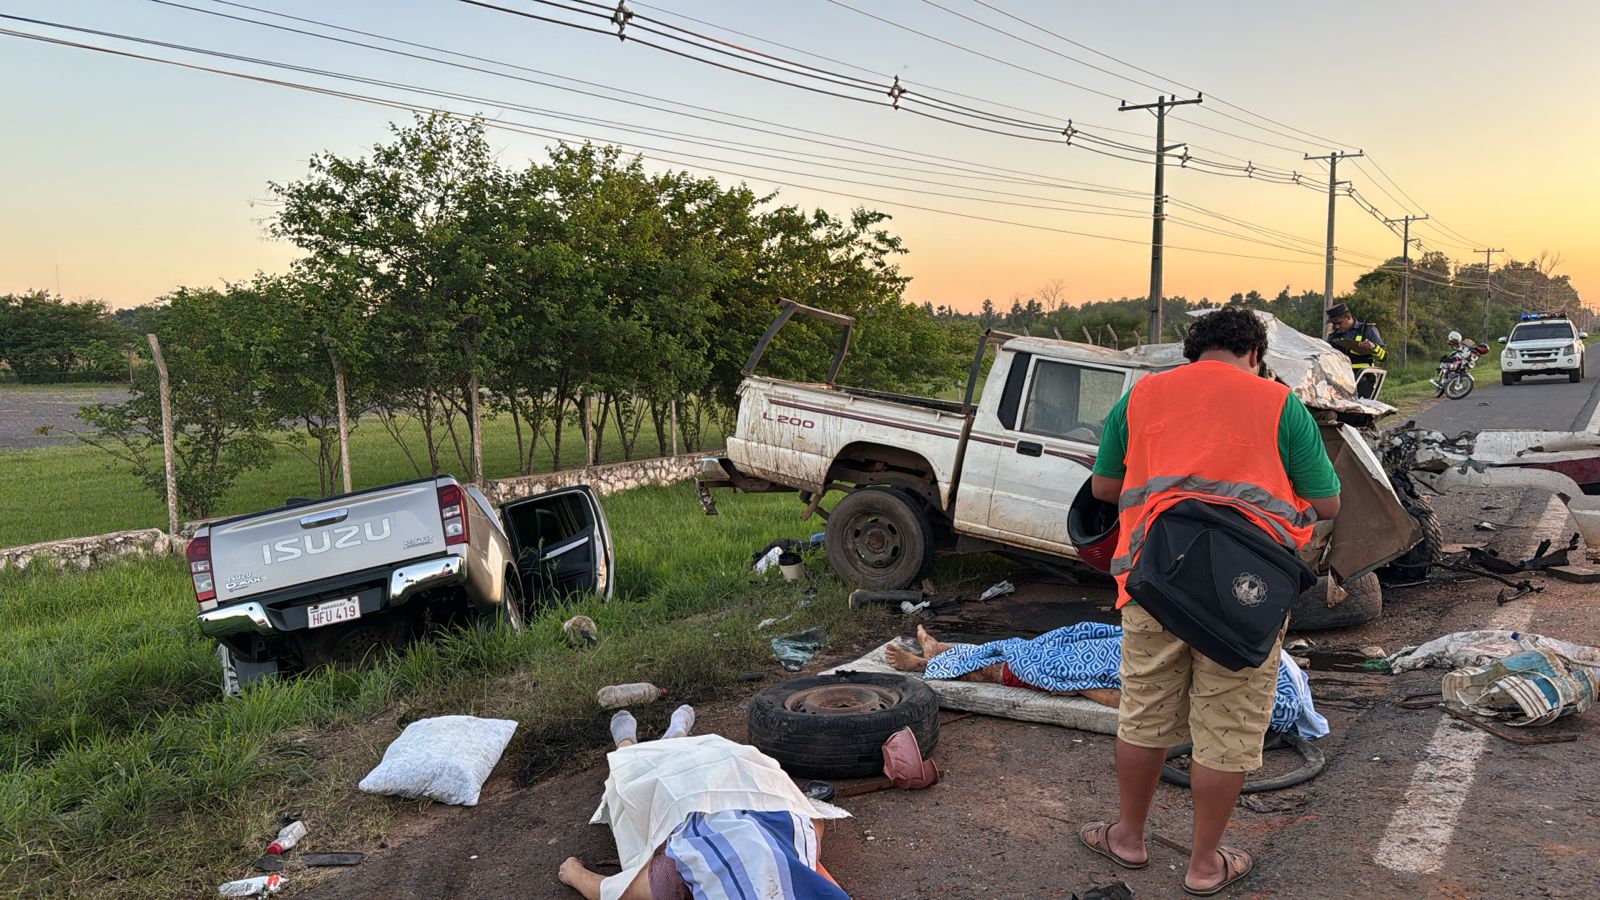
[[900, 658], [1152, 716], [682, 722], [1228, 716], [931, 646]]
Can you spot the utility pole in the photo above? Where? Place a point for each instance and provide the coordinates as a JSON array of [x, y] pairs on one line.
[[1405, 280], [1333, 158], [1160, 106], [1488, 289]]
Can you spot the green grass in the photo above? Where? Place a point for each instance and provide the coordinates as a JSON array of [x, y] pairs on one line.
[[127, 775], [75, 490]]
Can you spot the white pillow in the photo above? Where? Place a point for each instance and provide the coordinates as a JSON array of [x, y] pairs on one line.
[[446, 758]]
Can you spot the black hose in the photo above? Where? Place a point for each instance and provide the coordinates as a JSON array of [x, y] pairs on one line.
[[1315, 760]]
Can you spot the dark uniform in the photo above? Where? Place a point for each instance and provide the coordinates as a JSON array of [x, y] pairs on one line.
[[1370, 351]]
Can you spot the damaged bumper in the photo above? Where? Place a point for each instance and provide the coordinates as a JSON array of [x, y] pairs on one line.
[[1566, 464]]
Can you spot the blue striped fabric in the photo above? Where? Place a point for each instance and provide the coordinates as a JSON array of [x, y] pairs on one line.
[[1087, 655], [741, 855]]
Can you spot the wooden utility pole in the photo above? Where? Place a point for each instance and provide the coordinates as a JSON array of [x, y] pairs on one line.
[[168, 443], [1162, 149], [1405, 280], [1333, 158], [1488, 288]]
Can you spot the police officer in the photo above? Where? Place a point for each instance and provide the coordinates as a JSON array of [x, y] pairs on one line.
[[1360, 341]]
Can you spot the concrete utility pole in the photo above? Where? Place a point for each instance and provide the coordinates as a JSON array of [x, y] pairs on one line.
[[1333, 158], [1160, 106], [1405, 280], [1488, 289]]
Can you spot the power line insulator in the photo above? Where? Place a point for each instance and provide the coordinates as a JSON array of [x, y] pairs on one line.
[[896, 91], [621, 17]]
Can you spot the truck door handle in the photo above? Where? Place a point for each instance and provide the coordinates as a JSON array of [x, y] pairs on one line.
[[325, 518], [1030, 448]]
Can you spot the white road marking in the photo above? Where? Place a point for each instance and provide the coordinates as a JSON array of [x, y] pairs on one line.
[[1420, 831]]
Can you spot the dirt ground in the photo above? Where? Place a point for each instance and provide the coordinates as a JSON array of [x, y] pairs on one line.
[[1003, 820], [24, 412]]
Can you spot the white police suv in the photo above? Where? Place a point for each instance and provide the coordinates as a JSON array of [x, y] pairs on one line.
[[1542, 345]]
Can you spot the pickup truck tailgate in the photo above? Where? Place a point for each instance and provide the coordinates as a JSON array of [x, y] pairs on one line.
[[284, 547]]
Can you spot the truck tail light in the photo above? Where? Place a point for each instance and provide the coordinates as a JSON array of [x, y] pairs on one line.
[[453, 514], [199, 555]]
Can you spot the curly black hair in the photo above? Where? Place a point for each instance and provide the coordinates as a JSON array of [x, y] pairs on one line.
[[1232, 328]]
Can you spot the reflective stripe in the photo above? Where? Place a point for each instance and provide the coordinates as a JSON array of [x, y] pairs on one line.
[[1254, 495], [1136, 538]]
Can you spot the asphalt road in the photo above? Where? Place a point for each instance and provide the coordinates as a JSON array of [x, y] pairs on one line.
[[1543, 403]]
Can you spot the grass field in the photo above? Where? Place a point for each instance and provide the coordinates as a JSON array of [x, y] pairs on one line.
[[75, 490], [127, 775]]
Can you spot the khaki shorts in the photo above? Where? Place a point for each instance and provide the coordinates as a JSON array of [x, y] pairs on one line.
[[1172, 693]]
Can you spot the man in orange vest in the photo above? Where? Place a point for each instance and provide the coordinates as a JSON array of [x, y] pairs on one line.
[[1214, 431]]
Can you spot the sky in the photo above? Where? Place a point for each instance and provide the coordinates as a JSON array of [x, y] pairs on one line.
[[123, 179]]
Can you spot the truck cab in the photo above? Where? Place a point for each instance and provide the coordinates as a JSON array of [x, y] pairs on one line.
[[1542, 345]]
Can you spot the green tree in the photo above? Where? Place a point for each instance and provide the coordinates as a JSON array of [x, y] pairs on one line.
[[44, 338]]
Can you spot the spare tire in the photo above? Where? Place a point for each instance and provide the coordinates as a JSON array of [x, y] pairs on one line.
[[834, 726], [1363, 602]]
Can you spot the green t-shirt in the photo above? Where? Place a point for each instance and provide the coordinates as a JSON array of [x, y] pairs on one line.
[[1299, 446]]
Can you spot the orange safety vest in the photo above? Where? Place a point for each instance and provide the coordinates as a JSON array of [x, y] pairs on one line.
[[1206, 431]]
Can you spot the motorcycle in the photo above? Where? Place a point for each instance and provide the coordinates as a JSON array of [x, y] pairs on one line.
[[1455, 378]]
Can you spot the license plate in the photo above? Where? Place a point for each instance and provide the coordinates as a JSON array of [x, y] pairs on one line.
[[1544, 365], [332, 612]]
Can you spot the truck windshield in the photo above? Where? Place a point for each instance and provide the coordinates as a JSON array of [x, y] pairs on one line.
[[1542, 331]]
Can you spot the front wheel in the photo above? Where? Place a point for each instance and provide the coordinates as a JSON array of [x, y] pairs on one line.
[[1458, 387], [1507, 379], [879, 539], [1576, 375]]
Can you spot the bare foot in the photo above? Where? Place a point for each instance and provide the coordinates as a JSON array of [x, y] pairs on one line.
[[930, 646], [903, 659]]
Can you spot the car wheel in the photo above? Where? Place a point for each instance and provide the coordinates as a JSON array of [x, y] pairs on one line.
[[1363, 602], [834, 726], [1414, 565], [879, 539], [1506, 379], [1576, 375]]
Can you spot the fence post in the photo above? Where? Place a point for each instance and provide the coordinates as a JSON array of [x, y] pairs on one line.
[[344, 419], [586, 411], [672, 412], [474, 430], [168, 450], [1089, 338]]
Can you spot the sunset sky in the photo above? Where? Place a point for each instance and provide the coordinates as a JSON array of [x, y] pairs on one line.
[[123, 179]]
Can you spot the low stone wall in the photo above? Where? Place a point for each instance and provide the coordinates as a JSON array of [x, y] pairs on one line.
[[86, 552], [607, 479]]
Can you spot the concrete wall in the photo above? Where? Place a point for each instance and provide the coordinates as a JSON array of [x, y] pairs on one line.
[[86, 552]]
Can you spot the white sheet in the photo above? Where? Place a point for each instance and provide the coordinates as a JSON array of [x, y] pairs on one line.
[[655, 785]]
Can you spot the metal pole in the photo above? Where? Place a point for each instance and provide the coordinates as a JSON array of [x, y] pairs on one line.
[[168, 448], [1488, 288], [1158, 215], [1333, 158], [1405, 280]]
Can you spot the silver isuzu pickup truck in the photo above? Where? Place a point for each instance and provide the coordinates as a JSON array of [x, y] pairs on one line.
[[328, 581]]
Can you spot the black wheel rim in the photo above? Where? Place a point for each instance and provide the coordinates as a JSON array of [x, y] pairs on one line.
[[873, 541], [842, 699]]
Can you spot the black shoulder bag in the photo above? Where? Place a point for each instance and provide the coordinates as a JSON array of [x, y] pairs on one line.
[[1218, 582]]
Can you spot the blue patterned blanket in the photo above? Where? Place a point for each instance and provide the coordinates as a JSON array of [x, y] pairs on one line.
[[1087, 655]]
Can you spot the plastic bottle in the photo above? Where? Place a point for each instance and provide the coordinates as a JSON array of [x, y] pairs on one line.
[[260, 886], [288, 837], [615, 695]]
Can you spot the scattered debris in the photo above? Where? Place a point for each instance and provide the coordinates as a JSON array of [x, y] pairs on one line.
[[1276, 803], [289, 835], [614, 696], [767, 622], [259, 886], [445, 758], [319, 860], [910, 608], [1486, 526], [1515, 735], [767, 556], [1372, 651], [1480, 648], [795, 650], [581, 631], [791, 565], [1116, 890], [997, 590], [1534, 687], [767, 560], [1576, 574], [752, 677], [862, 597]]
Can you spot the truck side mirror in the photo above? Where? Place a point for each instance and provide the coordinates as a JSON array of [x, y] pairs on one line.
[[1502, 340], [1583, 335]]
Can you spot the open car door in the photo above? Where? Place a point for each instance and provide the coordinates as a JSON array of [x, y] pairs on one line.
[[1373, 527], [561, 543]]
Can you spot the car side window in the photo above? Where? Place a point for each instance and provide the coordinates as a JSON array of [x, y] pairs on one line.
[[1069, 401]]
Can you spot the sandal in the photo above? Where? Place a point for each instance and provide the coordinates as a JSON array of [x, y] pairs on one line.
[[1097, 837], [1236, 864]]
